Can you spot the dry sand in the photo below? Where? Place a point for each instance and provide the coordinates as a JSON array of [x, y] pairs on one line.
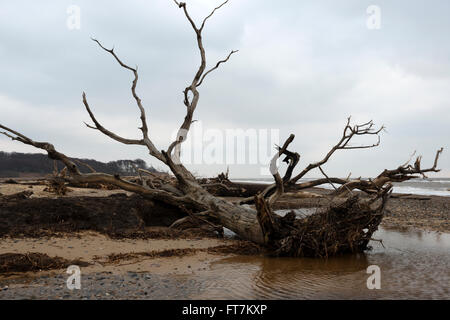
[[38, 191], [95, 248]]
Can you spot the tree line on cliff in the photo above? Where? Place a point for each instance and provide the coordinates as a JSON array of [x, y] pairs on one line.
[[17, 164]]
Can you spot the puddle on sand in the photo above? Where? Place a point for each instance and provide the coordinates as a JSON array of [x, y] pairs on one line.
[[414, 265]]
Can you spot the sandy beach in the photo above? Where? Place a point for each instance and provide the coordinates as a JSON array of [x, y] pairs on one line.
[[125, 256]]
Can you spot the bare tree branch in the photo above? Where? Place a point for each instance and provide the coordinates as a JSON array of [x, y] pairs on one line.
[[144, 127], [402, 173], [200, 75], [86, 165], [49, 148], [183, 6], [211, 14], [276, 175], [326, 177], [105, 131], [216, 66], [292, 159], [348, 133]]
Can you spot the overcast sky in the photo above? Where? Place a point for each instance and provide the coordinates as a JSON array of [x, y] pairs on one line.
[[303, 67]]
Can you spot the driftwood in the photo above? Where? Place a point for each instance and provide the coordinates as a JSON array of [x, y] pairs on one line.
[[57, 184], [337, 229], [371, 186]]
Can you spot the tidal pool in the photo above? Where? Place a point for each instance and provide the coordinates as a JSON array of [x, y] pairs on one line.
[[413, 264]]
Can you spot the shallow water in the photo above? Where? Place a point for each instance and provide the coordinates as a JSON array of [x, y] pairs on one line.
[[414, 265]]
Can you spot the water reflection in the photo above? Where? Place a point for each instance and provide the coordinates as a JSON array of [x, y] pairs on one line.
[[413, 265]]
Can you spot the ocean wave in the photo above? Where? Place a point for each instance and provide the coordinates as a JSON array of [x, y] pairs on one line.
[[421, 191]]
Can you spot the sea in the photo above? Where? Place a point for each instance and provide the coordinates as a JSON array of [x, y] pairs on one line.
[[427, 186]]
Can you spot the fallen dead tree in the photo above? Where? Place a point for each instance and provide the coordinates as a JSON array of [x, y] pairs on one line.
[[336, 230]]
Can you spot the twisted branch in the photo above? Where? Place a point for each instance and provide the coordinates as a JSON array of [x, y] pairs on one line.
[[199, 77], [145, 141], [343, 144], [292, 159]]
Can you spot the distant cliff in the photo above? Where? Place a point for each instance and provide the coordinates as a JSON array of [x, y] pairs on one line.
[[34, 164]]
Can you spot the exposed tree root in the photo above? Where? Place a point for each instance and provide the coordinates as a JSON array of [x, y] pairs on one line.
[[338, 229]]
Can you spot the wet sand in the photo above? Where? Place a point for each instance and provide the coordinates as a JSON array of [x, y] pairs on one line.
[[38, 191], [96, 249], [117, 270], [414, 265], [432, 214], [87, 245]]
